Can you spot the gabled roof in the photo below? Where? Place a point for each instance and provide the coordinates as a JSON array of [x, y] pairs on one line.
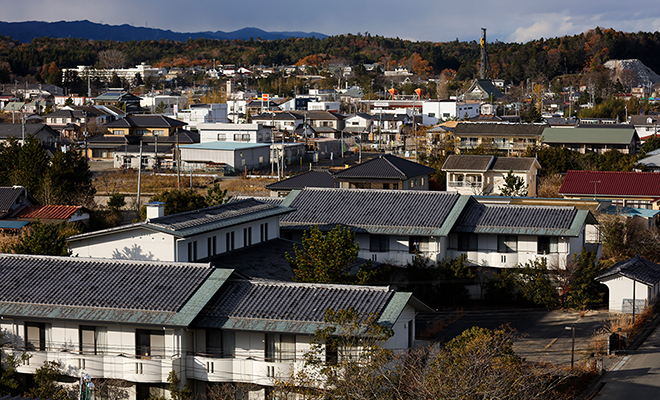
[[498, 129], [487, 87], [514, 163], [316, 178], [272, 306], [47, 212], [406, 212], [611, 183], [457, 162], [522, 220], [385, 166], [117, 96], [195, 222], [121, 291], [590, 134], [145, 121], [15, 130], [637, 268], [9, 196]]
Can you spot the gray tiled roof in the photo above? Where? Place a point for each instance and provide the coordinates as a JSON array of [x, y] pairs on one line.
[[101, 289], [15, 130], [637, 268], [287, 307], [520, 219], [408, 212], [315, 178], [513, 163], [150, 121], [385, 166], [199, 221], [467, 163]]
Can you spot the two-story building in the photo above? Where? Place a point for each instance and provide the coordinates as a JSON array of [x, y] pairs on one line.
[[596, 138], [504, 138]]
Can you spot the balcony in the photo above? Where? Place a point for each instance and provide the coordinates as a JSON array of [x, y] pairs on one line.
[[509, 260], [463, 184], [245, 370]]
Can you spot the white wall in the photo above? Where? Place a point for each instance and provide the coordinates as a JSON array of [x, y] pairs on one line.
[[622, 288], [225, 132]]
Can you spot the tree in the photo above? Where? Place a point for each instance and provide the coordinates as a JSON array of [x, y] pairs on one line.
[[116, 202], [585, 291], [9, 382], [44, 239], [535, 284], [324, 258], [216, 196], [45, 379], [513, 185], [71, 179], [31, 166], [177, 393], [177, 201]]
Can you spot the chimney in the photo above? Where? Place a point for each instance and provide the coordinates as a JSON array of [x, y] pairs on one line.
[[155, 209]]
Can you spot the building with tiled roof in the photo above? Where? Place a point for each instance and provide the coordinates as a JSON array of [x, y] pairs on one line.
[[629, 189], [136, 321], [634, 281], [503, 137], [484, 175], [315, 178], [386, 171], [596, 138], [51, 214], [47, 136], [188, 236]]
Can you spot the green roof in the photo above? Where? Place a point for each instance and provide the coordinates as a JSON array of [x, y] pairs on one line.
[[587, 135]]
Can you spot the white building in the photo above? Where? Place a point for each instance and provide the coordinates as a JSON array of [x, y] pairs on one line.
[[198, 114], [332, 106], [636, 280], [136, 321], [189, 236], [143, 69], [436, 111], [163, 103], [226, 132], [236, 157]]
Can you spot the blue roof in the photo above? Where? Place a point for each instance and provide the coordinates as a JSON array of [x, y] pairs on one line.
[[12, 224], [630, 211], [224, 146]]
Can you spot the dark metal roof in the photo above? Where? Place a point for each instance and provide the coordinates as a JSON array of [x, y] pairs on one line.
[[109, 290], [315, 178], [199, 221], [498, 129], [147, 121], [521, 220], [9, 196], [385, 166], [407, 212], [31, 129], [637, 268], [287, 307], [611, 183]]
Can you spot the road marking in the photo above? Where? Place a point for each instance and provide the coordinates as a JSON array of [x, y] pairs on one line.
[[620, 363]]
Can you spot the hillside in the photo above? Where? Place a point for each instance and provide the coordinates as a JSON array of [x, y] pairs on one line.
[[25, 32]]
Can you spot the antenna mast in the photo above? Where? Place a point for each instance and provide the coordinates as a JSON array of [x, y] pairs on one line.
[[485, 65]]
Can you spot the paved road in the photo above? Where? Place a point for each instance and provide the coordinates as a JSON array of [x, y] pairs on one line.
[[636, 376]]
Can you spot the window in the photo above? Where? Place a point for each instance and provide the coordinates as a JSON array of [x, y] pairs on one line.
[[247, 236], [548, 245], [158, 132], [149, 343], [141, 132], [280, 348], [220, 343], [211, 246], [35, 336], [445, 115], [418, 244], [379, 243], [92, 339], [431, 115], [230, 241], [263, 232], [336, 352], [507, 244], [222, 137], [117, 132], [468, 242], [192, 251]]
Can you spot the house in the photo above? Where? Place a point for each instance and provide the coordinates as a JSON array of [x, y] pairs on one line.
[[226, 132], [72, 121], [47, 136], [503, 236], [129, 101], [506, 138], [198, 114], [130, 323], [634, 281], [163, 103], [154, 155], [625, 189], [385, 172], [113, 146], [651, 163], [322, 178], [281, 121], [389, 225], [434, 112], [597, 138], [144, 125], [50, 214], [189, 236], [13, 199], [232, 156], [645, 125], [484, 175], [483, 90]]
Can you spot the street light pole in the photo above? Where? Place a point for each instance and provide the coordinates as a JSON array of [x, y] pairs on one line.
[[568, 328]]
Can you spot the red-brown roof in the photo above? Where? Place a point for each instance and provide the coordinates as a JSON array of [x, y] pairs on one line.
[[610, 183], [48, 212]]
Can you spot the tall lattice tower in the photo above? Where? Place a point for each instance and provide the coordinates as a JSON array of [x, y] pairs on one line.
[[485, 65]]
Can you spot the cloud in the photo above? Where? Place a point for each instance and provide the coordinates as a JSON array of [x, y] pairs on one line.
[[546, 25]]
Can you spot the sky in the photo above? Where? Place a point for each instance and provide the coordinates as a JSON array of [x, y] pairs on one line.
[[427, 20]]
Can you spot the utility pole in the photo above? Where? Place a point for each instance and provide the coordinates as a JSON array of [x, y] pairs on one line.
[[178, 164], [139, 181]]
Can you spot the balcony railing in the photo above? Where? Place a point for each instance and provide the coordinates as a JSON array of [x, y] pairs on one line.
[[463, 184]]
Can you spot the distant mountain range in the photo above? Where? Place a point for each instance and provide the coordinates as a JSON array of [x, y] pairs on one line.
[[27, 31]]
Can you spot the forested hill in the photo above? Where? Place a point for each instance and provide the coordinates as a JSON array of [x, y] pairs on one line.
[[540, 59], [27, 31]]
